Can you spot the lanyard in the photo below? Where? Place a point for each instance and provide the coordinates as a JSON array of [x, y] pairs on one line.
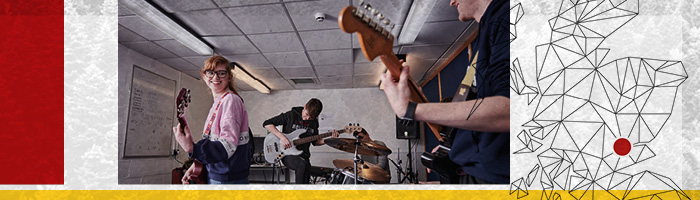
[[213, 116]]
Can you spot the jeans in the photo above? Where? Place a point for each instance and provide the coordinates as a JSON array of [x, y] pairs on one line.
[[300, 166], [239, 181]]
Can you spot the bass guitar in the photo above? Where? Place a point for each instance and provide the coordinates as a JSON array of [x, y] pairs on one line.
[[274, 151], [198, 176]]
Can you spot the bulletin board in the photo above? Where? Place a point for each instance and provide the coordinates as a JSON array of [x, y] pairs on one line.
[[151, 115]]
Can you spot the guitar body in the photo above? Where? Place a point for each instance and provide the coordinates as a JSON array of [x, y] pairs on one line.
[[273, 149]]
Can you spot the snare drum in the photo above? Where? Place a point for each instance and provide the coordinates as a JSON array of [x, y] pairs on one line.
[[340, 176]]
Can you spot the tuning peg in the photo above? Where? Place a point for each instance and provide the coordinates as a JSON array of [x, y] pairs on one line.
[[375, 12], [367, 7], [380, 16]]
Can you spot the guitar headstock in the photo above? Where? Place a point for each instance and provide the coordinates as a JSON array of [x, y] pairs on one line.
[[375, 40], [351, 128], [183, 100]]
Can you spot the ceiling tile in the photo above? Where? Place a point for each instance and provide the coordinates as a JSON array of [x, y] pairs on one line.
[[277, 42], [176, 47], [331, 57], [179, 5], [440, 32], [231, 44], [231, 3], [150, 49], [326, 39], [288, 59], [376, 67], [126, 35], [424, 52], [260, 19], [306, 85], [442, 11], [179, 64], [333, 70], [302, 13], [277, 83], [143, 28], [264, 73], [193, 73], [209, 22], [123, 11], [197, 60], [336, 80], [366, 80], [337, 86], [249, 61], [297, 72]]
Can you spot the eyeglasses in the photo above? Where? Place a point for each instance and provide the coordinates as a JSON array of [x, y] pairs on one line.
[[220, 73]]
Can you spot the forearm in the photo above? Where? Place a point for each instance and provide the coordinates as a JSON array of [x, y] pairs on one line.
[[490, 114], [273, 130]]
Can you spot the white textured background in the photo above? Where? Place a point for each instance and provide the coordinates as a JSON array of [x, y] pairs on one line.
[[91, 139]]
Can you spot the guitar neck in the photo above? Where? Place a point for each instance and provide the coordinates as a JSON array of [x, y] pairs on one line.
[[394, 66], [314, 138]]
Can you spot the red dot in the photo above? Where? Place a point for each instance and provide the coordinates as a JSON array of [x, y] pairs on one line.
[[622, 146]]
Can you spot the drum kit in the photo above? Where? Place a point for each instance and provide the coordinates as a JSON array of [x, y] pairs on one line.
[[357, 171]]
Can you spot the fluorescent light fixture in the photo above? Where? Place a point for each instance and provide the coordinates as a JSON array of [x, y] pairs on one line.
[[247, 78], [154, 16], [420, 10]]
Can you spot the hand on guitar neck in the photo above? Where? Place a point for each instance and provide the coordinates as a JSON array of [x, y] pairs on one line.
[[184, 137], [182, 132], [397, 91]]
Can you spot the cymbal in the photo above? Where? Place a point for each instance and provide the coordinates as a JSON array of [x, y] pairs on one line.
[[365, 148], [365, 170]]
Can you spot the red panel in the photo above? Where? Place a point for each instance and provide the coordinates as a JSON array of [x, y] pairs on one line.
[[31, 92]]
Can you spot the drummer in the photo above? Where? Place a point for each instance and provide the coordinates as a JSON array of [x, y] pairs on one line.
[[380, 161]]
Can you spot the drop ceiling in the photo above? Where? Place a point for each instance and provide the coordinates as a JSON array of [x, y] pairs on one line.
[[277, 41]]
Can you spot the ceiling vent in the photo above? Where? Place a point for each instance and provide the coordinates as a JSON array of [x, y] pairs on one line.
[[303, 80]]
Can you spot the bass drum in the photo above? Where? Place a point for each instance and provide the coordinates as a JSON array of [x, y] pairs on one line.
[[339, 176]]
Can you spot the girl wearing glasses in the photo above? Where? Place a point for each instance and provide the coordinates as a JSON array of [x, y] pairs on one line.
[[224, 147]]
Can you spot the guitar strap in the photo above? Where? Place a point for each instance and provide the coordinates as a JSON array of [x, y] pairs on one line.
[[467, 81], [213, 116]]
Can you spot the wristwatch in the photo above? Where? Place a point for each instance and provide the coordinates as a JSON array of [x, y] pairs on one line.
[[410, 111]]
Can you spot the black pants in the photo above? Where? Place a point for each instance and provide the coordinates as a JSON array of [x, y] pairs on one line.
[[468, 179], [300, 166]]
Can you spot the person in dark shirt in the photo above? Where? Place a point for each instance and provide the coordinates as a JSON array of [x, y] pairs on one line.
[[298, 118], [481, 146]]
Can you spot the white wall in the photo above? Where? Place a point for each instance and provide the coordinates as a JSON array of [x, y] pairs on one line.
[[366, 106], [156, 170]]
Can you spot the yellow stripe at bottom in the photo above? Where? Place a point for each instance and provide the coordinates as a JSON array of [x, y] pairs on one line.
[[338, 194]]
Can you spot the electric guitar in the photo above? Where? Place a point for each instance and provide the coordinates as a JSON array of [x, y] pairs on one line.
[[376, 41], [182, 101], [274, 151]]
